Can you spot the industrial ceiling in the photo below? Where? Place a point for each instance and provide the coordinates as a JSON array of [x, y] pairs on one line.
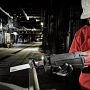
[[27, 11]]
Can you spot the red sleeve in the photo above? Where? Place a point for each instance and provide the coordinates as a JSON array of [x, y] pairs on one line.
[[79, 43], [76, 43]]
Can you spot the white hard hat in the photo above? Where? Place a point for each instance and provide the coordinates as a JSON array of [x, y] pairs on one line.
[[86, 9]]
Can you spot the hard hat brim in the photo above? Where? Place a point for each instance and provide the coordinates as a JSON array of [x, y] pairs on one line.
[[85, 15]]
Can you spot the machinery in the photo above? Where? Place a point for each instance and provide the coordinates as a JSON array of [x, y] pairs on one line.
[[62, 64], [59, 64]]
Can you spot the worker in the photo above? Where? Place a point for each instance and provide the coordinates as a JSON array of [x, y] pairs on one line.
[[81, 42]]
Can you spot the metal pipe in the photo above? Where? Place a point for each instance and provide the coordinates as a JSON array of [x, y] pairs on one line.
[[35, 78]]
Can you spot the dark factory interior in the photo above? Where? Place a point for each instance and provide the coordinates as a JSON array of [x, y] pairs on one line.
[[60, 19], [52, 23]]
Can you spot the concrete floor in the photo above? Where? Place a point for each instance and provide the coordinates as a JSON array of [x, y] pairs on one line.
[[21, 54]]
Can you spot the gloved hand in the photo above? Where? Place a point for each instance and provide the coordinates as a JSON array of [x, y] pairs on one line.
[[63, 70], [87, 58]]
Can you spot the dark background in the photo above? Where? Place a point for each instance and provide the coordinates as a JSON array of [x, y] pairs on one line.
[[61, 21]]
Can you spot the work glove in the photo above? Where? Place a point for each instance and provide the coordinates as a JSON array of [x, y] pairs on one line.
[[63, 70]]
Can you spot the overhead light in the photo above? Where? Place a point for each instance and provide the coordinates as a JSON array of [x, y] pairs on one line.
[[27, 17], [34, 16], [42, 24], [11, 17], [37, 20], [15, 33], [6, 13], [34, 29]]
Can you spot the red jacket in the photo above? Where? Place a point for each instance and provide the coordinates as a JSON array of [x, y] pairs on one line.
[[81, 42]]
